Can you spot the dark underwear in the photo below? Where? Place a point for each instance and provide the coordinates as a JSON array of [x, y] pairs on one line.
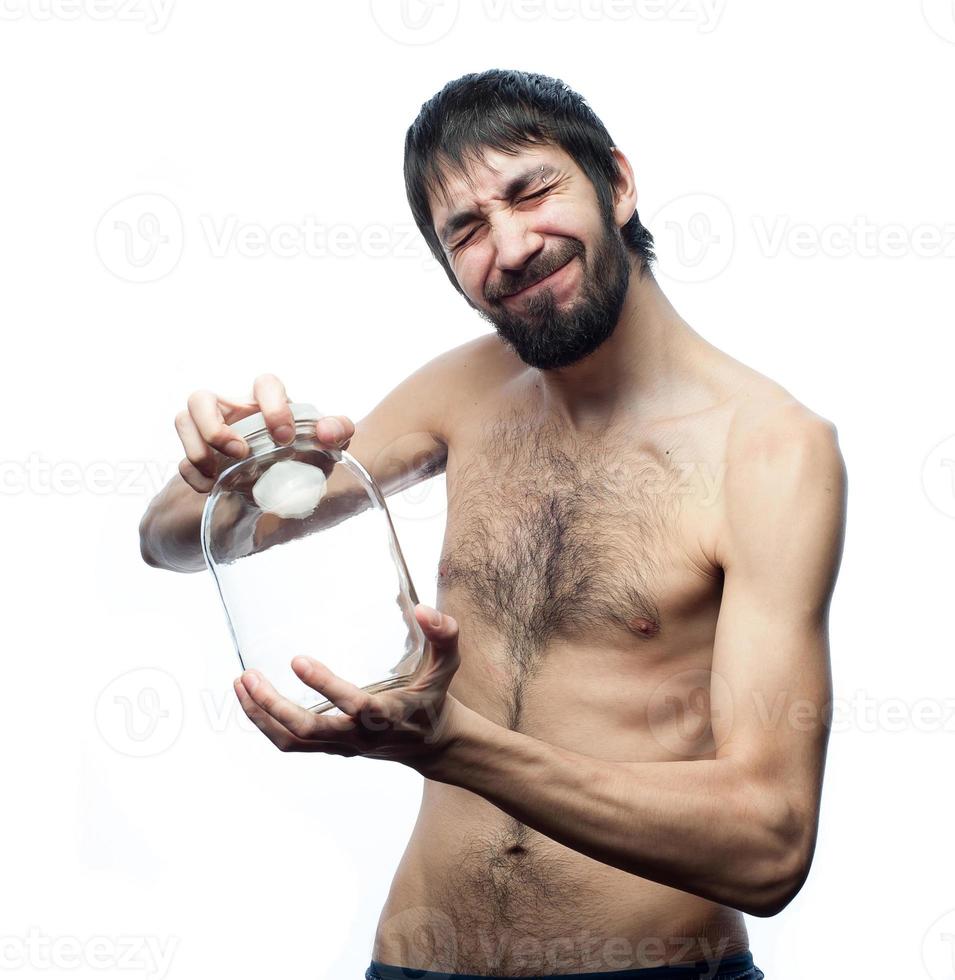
[[740, 966]]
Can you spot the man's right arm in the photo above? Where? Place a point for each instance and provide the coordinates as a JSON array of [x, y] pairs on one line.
[[401, 442]]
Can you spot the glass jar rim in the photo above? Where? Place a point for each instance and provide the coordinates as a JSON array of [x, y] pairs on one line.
[[301, 412]]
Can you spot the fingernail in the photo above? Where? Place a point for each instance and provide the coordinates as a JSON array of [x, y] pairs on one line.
[[250, 680], [436, 618], [234, 448], [284, 433]]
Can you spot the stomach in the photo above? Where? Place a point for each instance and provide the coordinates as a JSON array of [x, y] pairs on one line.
[[477, 891]]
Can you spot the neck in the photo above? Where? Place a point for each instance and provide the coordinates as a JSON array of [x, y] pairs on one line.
[[640, 370]]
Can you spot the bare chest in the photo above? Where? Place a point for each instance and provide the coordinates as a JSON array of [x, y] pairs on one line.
[[556, 544]]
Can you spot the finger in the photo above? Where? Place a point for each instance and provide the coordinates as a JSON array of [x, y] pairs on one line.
[[234, 409], [199, 453], [343, 694], [442, 632], [195, 479], [207, 418], [273, 401], [303, 724], [335, 430], [279, 735], [273, 730]]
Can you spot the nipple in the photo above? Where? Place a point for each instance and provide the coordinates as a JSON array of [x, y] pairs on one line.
[[643, 626]]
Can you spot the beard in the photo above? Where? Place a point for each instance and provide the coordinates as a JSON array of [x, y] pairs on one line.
[[546, 337]]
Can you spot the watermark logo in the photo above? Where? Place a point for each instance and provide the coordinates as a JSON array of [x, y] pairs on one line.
[[681, 710], [695, 235], [154, 14], [859, 238], [938, 947], [140, 238], [148, 956], [415, 22], [140, 713], [228, 237], [428, 21], [938, 476], [100, 477], [705, 14], [940, 16]]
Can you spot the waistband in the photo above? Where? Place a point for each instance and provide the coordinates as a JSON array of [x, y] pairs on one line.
[[739, 964]]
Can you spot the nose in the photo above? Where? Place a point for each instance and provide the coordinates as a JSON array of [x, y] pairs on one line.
[[514, 244]]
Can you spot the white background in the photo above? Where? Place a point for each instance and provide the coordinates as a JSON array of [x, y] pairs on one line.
[[795, 165]]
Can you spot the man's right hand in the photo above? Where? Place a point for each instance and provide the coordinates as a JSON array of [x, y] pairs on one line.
[[211, 445]]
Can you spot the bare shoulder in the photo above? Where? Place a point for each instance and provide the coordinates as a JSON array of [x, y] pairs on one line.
[[471, 373], [769, 424], [762, 413], [784, 470], [485, 359]]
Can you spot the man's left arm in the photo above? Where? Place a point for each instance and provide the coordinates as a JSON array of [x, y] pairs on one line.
[[739, 828]]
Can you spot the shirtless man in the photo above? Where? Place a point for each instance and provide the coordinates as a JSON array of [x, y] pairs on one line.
[[623, 718]]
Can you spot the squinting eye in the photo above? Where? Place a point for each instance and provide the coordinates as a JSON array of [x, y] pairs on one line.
[[454, 248], [530, 197]]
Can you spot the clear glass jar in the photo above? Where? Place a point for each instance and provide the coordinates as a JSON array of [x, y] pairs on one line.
[[328, 582]]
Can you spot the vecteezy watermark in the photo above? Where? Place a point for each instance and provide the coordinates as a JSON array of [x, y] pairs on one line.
[[681, 710], [415, 22], [938, 476], [140, 238], [446, 943], [147, 956], [860, 237], [862, 712], [695, 237], [418, 22], [140, 713], [228, 237], [940, 16], [68, 477], [705, 14], [154, 14], [938, 947]]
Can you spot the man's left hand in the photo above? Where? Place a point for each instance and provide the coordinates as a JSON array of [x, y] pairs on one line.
[[412, 724]]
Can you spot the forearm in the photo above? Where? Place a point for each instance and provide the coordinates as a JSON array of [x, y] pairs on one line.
[[169, 530], [693, 825]]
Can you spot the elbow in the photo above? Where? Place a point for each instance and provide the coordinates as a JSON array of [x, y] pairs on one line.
[[144, 551], [150, 550], [782, 856], [779, 887]]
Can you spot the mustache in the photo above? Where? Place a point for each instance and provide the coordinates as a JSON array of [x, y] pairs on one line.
[[546, 264]]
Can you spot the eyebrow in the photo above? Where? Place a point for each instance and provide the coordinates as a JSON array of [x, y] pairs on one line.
[[513, 187]]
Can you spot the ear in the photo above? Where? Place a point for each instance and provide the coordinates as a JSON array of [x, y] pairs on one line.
[[625, 190]]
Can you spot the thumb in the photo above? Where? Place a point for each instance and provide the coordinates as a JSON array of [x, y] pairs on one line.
[[443, 634]]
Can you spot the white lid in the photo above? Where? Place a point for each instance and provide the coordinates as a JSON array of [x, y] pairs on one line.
[[301, 412]]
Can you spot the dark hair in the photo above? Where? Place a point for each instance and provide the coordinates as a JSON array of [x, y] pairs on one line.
[[506, 110]]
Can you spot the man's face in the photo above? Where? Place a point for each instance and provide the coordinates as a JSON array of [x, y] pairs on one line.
[[536, 258]]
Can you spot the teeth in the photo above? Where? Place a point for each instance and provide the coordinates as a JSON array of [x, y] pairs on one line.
[[289, 488]]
